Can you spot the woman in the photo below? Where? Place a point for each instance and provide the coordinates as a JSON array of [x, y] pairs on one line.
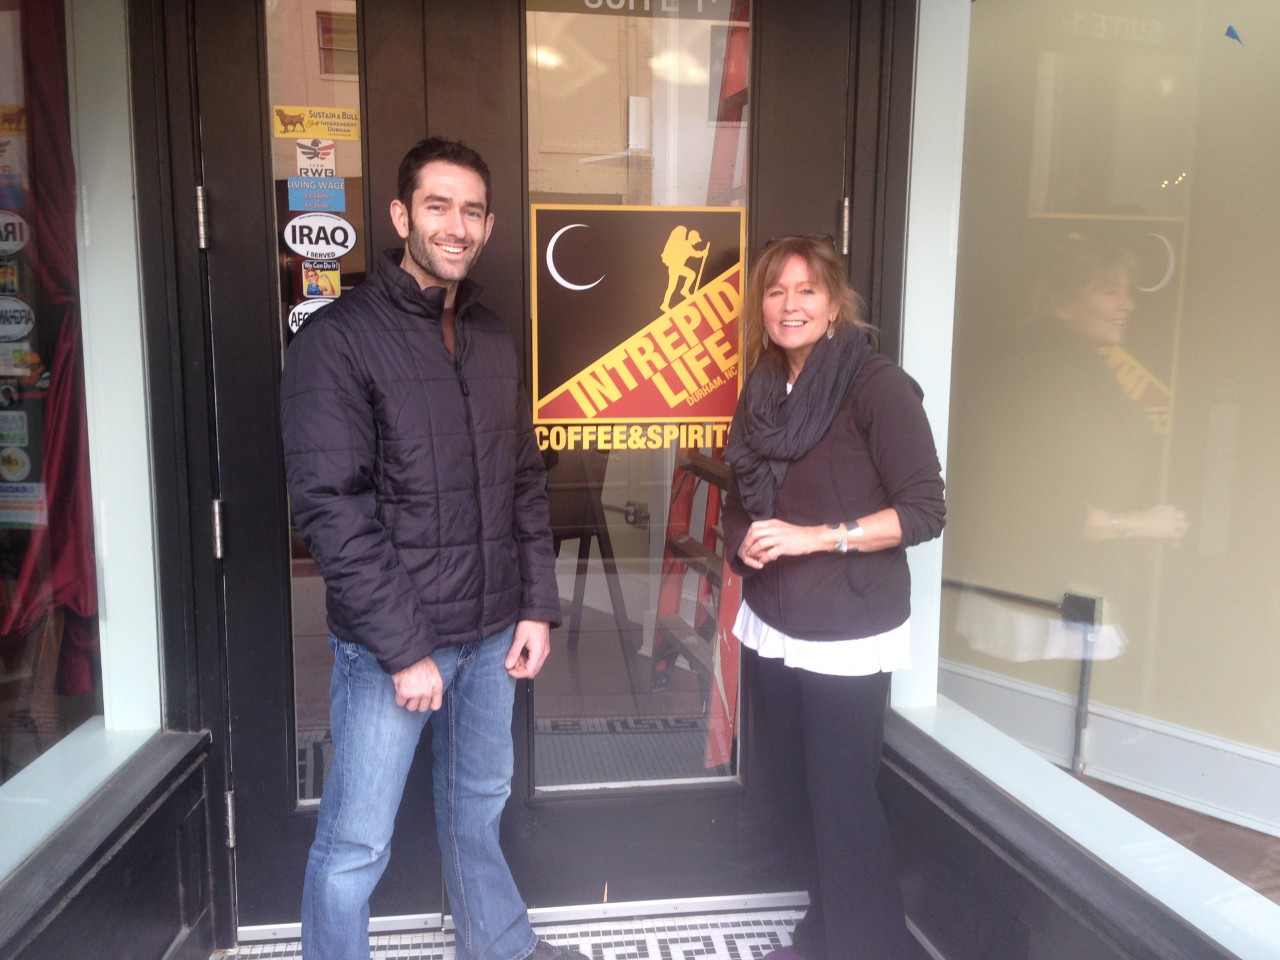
[[835, 475]]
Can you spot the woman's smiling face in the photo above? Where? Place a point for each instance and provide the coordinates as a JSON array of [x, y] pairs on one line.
[[797, 313], [1100, 312]]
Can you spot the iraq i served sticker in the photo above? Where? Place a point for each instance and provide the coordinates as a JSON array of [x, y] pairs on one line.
[[319, 236]]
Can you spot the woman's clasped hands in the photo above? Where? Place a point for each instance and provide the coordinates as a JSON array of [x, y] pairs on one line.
[[767, 540]]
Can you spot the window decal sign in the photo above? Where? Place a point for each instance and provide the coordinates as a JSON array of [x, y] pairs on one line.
[[16, 319], [10, 184], [316, 158], [321, 278], [684, 9], [298, 313], [318, 193], [13, 428], [635, 324], [14, 233], [15, 464], [319, 236], [335, 123], [23, 505], [13, 117]]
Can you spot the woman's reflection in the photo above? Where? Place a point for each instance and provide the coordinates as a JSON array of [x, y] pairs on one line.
[[1065, 495]]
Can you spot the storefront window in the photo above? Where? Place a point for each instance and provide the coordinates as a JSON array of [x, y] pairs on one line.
[[50, 667], [1111, 573], [78, 693]]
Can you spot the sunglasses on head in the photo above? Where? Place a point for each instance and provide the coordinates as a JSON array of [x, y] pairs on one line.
[[801, 236]]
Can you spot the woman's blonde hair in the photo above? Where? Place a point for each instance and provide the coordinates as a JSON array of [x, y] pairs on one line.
[[826, 270]]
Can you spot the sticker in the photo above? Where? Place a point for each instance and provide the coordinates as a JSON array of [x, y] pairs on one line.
[[316, 158], [336, 123], [13, 428], [319, 236], [16, 319], [17, 359], [8, 276], [321, 278], [13, 118], [23, 505], [13, 159], [14, 233], [300, 312], [10, 185], [15, 465], [318, 193]]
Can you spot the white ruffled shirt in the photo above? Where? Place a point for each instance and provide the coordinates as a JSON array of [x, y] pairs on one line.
[[856, 657]]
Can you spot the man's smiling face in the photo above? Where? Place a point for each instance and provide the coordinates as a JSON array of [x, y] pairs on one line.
[[446, 225]]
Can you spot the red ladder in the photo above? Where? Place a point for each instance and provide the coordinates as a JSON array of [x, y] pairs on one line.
[[707, 644]]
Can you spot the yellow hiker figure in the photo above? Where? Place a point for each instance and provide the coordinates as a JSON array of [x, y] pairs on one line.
[[681, 247]]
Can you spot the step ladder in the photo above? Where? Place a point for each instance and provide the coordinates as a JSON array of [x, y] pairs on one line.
[[705, 641]]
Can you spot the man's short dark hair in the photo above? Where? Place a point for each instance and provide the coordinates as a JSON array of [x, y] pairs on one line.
[[433, 149]]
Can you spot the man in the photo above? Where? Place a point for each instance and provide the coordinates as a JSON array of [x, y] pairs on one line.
[[418, 487]]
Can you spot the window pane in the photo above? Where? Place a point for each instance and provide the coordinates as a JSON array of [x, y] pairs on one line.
[[319, 217], [50, 664], [1112, 573], [336, 40], [637, 171]]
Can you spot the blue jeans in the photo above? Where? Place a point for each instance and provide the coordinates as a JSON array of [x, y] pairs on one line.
[[472, 757]]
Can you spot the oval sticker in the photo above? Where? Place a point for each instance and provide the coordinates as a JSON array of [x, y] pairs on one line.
[[319, 236], [16, 319], [14, 233], [298, 315], [15, 465]]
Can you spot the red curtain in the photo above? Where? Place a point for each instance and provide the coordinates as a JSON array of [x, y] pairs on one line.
[[58, 569]]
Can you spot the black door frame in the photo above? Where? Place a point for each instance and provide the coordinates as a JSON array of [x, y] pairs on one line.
[[856, 149]]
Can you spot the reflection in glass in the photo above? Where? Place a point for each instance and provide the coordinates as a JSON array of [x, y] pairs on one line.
[[50, 663], [1113, 432], [643, 110]]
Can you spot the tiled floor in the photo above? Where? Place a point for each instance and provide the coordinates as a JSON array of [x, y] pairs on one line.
[[741, 936]]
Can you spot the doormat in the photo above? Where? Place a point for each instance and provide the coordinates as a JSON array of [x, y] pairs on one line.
[[573, 751], [734, 936]]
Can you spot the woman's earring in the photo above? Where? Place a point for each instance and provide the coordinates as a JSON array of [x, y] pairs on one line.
[[831, 329], [766, 340]]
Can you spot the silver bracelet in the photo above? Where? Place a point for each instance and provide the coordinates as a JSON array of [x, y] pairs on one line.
[[852, 530]]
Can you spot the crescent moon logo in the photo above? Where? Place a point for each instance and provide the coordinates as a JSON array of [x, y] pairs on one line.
[[1171, 264], [551, 263]]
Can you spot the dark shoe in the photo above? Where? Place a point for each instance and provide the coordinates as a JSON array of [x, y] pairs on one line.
[[549, 951]]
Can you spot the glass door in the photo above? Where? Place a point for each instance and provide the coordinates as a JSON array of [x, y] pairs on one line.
[[637, 177]]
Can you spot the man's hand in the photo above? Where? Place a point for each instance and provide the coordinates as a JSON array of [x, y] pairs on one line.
[[529, 649], [419, 687]]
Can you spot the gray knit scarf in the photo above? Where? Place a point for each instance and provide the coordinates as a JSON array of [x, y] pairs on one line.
[[772, 427]]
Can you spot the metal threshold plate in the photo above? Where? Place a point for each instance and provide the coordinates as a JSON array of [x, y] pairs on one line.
[[723, 936]]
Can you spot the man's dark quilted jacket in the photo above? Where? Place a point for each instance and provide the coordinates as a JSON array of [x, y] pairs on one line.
[[414, 478]]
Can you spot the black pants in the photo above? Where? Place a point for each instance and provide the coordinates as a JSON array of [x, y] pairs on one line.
[[822, 752]]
